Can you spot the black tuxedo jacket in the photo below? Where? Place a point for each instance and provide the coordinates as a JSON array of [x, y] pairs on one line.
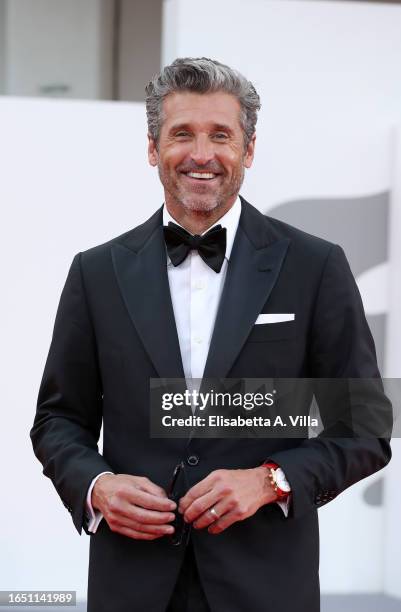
[[115, 329]]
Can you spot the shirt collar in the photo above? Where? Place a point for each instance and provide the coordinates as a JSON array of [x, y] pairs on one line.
[[229, 220]]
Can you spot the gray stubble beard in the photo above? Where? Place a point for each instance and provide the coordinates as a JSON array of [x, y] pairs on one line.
[[200, 206]]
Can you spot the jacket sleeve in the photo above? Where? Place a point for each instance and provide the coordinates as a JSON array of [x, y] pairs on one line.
[[341, 346], [68, 417]]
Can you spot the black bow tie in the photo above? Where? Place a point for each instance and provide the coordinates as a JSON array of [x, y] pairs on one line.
[[211, 246]]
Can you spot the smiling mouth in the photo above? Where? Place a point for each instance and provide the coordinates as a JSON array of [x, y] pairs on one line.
[[201, 176]]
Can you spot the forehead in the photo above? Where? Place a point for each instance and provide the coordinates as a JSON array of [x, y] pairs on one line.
[[209, 108]]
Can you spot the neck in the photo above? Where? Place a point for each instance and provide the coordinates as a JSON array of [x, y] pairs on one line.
[[198, 221]]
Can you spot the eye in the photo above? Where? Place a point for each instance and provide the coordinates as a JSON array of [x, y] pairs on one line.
[[220, 135], [182, 133]]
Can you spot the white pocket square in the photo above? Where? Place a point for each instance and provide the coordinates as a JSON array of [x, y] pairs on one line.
[[276, 317]]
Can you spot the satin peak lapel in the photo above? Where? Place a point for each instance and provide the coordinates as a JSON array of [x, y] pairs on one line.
[[251, 275], [140, 267]]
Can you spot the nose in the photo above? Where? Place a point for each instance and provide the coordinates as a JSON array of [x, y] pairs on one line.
[[202, 150]]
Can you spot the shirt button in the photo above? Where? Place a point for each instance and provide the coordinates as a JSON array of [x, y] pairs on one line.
[[193, 460], [199, 285], [198, 340]]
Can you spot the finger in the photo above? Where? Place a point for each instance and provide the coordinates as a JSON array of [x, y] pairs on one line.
[[123, 508], [137, 535], [225, 521], [200, 505], [150, 516], [201, 488], [151, 502], [209, 518], [147, 485], [122, 522]]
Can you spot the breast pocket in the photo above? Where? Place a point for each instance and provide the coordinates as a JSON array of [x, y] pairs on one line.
[[267, 332]]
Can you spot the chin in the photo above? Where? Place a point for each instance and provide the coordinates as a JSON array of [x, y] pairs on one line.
[[199, 205]]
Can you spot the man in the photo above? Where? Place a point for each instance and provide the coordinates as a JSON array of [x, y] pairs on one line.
[[159, 301]]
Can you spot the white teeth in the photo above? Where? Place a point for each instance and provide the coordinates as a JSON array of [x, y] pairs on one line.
[[201, 175]]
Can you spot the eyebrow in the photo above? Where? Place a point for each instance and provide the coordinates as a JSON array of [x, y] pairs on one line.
[[222, 127]]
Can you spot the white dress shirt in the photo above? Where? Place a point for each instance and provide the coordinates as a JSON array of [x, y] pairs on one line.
[[195, 293]]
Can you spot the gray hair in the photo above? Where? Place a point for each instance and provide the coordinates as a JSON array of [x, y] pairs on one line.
[[201, 75]]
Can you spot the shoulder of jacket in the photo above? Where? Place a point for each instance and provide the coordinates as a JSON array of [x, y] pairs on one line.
[[299, 238], [131, 237]]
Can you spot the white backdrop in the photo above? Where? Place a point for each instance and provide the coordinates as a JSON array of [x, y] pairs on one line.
[[329, 75], [75, 174]]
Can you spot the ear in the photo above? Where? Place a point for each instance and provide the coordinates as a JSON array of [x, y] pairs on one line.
[[153, 155], [250, 152]]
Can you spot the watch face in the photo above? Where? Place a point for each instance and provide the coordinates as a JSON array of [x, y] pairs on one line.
[[281, 480]]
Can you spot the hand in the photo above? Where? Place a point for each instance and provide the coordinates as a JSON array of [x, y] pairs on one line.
[[134, 506], [234, 494]]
